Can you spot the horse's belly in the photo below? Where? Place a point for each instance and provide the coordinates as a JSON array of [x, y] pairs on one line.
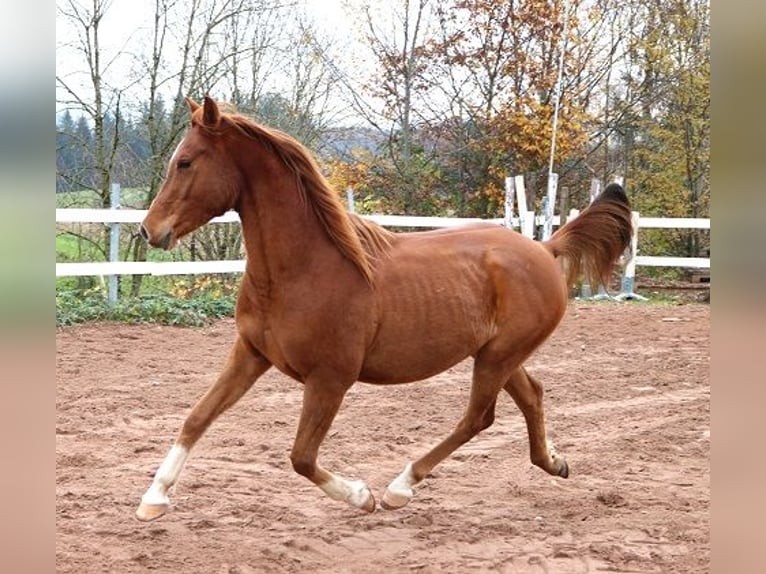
[[404, 371], [429, 321], [406, 355]]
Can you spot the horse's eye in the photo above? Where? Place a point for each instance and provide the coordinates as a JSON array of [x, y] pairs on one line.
[[184, 163]]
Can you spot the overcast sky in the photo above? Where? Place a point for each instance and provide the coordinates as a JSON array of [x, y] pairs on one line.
[[129, 21]]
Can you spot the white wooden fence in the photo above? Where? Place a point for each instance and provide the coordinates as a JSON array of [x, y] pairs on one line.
[[527, 224]]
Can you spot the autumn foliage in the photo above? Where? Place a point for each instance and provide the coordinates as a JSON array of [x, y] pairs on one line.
[[469, 87]]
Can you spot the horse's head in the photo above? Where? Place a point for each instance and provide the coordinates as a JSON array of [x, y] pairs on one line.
[[202, 180]]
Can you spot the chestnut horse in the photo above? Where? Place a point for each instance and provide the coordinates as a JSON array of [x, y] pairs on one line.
[[329, 298]]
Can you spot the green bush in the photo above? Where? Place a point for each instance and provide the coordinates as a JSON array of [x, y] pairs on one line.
[[76, 306]]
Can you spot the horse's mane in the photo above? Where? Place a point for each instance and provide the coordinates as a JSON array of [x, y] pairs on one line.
[[361, 241]]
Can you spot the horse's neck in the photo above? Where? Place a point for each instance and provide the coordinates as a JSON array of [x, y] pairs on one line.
[[283, 236]]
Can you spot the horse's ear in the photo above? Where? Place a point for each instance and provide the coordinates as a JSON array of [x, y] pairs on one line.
[[210, 113], [193, 106]]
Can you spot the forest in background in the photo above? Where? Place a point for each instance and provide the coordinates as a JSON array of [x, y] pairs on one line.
[[423, 107]]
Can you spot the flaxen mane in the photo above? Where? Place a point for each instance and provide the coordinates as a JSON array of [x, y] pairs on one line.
[[359, 240]]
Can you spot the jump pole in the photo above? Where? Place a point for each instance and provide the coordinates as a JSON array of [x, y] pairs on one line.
[[548, 204], [553, 178], [627, 292]]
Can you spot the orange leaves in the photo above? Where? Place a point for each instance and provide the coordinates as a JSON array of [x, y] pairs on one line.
[[527, 130], [342, 174], [508, 51]]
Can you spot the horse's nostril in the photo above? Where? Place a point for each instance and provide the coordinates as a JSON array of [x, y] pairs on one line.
[[164, 243], [143, 232]]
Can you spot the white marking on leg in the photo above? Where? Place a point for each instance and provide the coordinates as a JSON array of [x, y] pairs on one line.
[[551, 450], [552, 453], [166, 476], [354, 492], [400, 492]]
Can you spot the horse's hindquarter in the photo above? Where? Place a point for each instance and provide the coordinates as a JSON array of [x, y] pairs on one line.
[[443, 296]]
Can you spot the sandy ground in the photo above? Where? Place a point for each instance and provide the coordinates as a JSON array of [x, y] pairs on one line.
[[628, 404]]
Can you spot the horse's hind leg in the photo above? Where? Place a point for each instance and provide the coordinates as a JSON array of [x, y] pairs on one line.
[[242, 368], [488, 379], [527, 392], [321, 400]]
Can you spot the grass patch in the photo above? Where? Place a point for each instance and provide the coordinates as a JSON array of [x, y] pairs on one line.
[[71, 247]]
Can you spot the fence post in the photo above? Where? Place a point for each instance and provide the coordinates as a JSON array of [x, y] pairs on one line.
[[585, 288], [521, 194], [114, 245], [629, 274], [528, 224], [350, 198], [595, 189], [585, 292], [508, 214], [563, 203], [521, 200]]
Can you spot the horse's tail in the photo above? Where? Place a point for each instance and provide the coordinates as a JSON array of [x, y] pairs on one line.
[[593, 242]]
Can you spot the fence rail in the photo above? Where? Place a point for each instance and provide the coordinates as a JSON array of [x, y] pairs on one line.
[[526, 224]]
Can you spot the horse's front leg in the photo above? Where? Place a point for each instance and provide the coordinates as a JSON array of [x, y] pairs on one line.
[[321, 401], [242, 368]]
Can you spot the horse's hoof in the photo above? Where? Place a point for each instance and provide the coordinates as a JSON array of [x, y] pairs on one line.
[[399, 492], [369, 504], [361, 497], [147, 512], [393, 500], [563, 469]]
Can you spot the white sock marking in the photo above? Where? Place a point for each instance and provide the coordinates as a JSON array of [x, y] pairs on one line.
[[551, 449], [354, 492], [166, 476], [400, 492]]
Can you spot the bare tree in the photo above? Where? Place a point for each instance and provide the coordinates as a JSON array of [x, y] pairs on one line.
[[664, 113], [95, 97], [87, 19], [194, 62], [397, 36]]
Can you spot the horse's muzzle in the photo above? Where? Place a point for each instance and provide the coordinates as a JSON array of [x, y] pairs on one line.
[[162, 242]]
